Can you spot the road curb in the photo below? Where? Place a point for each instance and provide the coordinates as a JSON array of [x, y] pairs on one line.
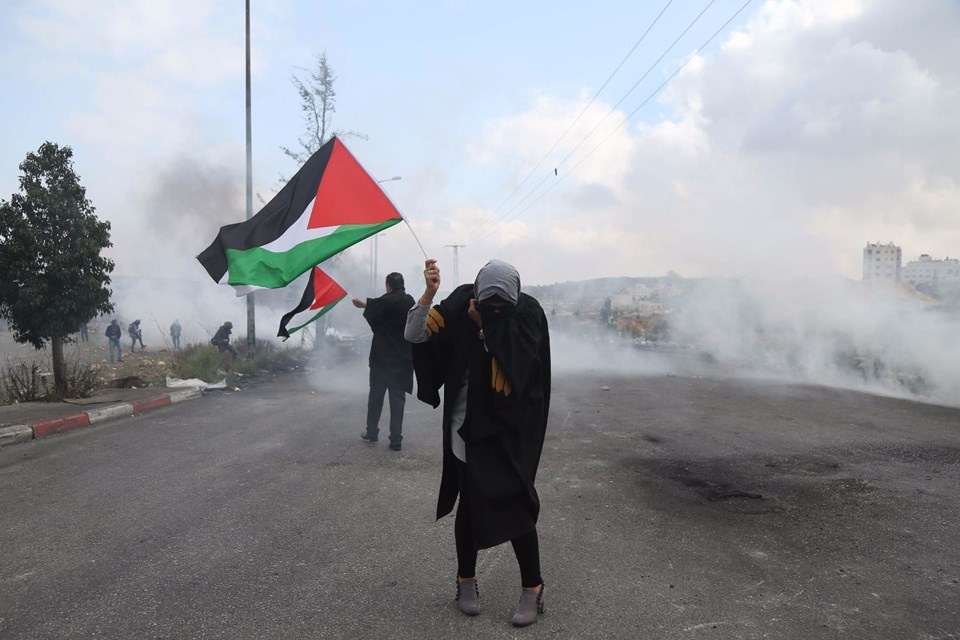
[[59, 425], [16, 434]]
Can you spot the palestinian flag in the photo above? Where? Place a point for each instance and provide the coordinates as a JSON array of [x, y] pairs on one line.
[[328, 205], [321, 295]]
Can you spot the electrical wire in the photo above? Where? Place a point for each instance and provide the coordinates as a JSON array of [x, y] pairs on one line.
[[624, 121], [575, 120], [479, 230]]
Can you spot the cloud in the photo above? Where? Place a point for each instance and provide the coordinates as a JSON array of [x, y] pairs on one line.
[[814, 127], [184, 40]]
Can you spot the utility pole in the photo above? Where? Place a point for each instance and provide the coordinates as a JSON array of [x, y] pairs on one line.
[[456, 262], [251, 302]]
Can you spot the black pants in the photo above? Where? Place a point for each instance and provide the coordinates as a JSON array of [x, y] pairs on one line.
[[398, 398], [226, 346], [526, 547]]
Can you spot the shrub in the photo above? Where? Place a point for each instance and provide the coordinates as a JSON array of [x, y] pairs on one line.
[[23, 382], [80, 380]]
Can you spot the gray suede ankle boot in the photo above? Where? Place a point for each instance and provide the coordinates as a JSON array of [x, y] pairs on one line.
[[468, 596], [530, 605]]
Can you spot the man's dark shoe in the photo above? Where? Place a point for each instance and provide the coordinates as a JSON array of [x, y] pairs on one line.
[[366, 437], [394, 447]]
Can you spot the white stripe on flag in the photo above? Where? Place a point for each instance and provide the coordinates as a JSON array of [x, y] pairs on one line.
[[299, 232]]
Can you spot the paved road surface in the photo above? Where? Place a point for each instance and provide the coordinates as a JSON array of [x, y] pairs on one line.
[[673, 507]]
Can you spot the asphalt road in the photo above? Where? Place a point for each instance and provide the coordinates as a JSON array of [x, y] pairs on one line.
[[673, 507]]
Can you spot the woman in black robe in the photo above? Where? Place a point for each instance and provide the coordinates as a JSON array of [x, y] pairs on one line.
[[488, 346]]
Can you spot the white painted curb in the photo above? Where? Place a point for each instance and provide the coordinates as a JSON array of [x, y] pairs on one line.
[[186, 394], [109, 413], [16, 433]]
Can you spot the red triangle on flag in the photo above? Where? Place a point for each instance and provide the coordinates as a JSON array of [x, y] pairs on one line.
[[325, 289], [348, 195]]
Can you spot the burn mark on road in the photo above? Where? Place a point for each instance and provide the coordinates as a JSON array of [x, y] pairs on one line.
[[707, 482]]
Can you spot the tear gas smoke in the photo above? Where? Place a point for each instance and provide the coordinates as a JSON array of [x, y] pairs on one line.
[[881, 339], [887, 340]]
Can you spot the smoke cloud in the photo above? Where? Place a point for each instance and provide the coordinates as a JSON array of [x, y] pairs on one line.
[[885, 339]]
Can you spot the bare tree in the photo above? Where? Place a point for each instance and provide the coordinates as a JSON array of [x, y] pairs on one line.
[[318, 102]]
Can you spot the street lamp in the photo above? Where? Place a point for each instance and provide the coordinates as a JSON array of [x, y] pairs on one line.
[[374, 247]]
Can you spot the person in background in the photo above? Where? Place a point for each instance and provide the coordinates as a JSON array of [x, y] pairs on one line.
[[488, 345], [175, 331], [135, 334], [114, 333], [221, 340], [84, 332], [391, 365]]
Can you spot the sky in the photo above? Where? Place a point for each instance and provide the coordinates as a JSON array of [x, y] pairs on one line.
[[802, 131]]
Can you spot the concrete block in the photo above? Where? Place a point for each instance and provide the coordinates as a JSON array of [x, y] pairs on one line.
[[185, 394], [15, 433], [109, 413]]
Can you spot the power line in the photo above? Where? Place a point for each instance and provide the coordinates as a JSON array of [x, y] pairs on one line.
[[627, 118], [575, 120], [637, 83], [602, 120]]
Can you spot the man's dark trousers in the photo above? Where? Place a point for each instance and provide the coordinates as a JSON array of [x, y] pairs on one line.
[[378, 387]]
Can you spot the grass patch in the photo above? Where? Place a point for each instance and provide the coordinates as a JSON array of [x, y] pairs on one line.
[[269, 358], [26, 379], [207, 363], [201, 361]]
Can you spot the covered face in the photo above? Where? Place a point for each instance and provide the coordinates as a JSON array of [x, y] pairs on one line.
[[498, 279], [497, 289]]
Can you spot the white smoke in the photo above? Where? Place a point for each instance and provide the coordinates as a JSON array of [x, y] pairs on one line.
[[883, 339]]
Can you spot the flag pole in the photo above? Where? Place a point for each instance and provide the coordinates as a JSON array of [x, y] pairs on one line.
[[425, 256], [402, 217], [251, 304]]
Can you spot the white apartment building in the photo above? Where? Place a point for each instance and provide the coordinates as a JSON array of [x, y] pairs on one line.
[[926, 270], [881, 262]]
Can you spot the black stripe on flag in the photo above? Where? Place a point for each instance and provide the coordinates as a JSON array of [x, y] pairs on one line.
[[305, 302], [273, 219]]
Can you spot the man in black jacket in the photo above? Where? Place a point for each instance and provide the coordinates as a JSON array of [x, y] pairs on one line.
[[391, 364], [221, 340]]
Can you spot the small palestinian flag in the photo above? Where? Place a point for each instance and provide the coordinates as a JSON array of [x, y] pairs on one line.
[[321, 295], [328, 205]]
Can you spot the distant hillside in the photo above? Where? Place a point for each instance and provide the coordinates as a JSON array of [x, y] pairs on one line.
[[628, 295]]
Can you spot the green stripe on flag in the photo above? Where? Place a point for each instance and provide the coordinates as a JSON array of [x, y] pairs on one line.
[[322, 311], [259, 267]]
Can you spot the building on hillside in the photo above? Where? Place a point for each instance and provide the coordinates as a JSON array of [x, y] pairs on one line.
[[881, 262], [926, 270], [645, 298]]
